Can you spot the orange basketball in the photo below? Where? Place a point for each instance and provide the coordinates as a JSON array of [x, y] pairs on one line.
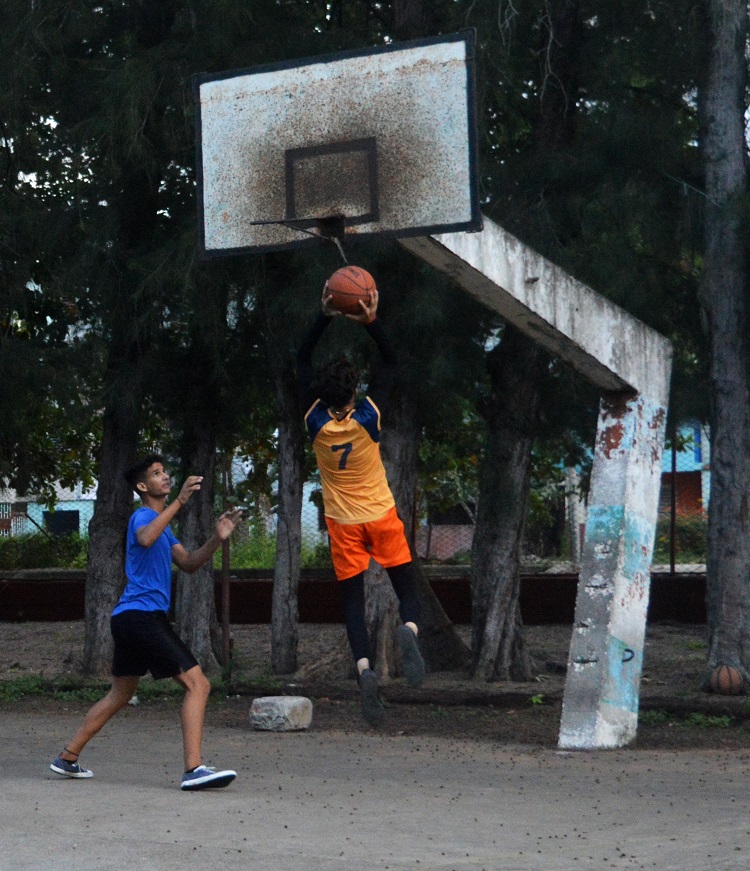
[[348, 286], [726, 681]]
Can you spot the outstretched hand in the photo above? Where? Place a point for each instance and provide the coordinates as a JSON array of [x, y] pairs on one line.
[[366, 316], [369, 309], [192, 483], [227, 522], [326, 304]]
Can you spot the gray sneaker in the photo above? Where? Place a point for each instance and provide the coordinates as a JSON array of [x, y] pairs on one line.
[[411, 658], [372, 708], [70, 769]]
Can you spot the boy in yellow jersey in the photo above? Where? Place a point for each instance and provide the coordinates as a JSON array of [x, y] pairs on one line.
[[358, 504]]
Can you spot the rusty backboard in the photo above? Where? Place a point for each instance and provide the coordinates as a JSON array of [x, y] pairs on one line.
[[378, 141]]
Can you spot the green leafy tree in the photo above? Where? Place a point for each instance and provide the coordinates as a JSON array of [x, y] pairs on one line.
[[47, 405]]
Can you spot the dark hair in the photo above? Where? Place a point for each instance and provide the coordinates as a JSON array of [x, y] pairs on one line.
[[337, 382], [136, 474]]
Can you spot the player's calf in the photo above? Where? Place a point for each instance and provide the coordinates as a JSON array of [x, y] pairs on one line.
[[411, 657], [372, 708]]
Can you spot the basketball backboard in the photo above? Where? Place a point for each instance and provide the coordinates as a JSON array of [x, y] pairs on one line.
[[377, 141]]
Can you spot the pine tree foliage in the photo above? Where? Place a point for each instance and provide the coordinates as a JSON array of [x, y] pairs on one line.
[[106, 311]]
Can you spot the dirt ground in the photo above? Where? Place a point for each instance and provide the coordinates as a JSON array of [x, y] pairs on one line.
[[675, 713]]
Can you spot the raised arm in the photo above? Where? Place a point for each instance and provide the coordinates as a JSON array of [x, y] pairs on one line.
[[385, 370], [148, 534], [191, 561], [305, 370]]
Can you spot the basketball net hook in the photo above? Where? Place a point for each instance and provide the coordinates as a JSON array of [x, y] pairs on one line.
[[322, 236], [341, 249]]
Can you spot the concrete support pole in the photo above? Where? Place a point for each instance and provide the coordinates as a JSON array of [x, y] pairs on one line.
[[631, 365], [600, 706]]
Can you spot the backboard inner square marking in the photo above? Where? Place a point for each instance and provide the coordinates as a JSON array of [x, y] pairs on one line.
[[344, 173]]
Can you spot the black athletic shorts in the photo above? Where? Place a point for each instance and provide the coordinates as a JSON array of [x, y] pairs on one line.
[[145, 641]]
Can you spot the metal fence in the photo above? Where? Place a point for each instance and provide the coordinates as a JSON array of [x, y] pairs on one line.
[[34, 535]]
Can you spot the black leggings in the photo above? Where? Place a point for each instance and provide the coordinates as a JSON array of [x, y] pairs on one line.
[[404, 581]]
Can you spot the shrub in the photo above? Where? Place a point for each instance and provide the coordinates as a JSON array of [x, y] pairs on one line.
[[318, 557], [43, 551], [691, 537], [258, 551]]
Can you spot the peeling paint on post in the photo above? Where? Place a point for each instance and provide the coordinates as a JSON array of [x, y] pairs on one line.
[[631, 365], [600, 707]]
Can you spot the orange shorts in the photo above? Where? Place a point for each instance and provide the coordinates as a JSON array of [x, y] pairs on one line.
[[352, 544]]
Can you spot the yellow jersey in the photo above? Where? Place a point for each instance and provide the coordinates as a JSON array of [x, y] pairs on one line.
[[352, 475]]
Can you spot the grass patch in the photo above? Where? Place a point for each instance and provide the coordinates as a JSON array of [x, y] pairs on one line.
[[239, 685], [66, 689], [75, 689], [695, 720], [79, 694], [159, 691], [438, 712], [80, 689], [705, 721], [18, 688], [653, 718]]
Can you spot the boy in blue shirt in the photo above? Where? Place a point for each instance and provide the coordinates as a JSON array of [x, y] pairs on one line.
[[144, 640]]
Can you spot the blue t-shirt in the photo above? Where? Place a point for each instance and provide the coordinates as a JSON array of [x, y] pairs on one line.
[[148, 569]]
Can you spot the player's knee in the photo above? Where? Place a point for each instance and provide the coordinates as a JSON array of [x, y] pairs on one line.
[[120, 693], [196, 681]]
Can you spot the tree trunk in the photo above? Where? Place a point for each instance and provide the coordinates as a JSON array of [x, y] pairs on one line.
[[724, 300], [441, 646], [194, 601], [105, 571], [274, 301], [284, 607], [516, 368], [200, 411], [381, 614]]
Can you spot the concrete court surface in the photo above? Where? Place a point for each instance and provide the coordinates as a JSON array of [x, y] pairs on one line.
[[328, 801]]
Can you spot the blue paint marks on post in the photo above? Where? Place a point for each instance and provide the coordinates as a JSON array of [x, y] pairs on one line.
[[604, 522], [623, 676], [638, 541]]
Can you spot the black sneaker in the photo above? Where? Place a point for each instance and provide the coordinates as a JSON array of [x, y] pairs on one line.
[[70, 769], [372, 708], [411, 659]]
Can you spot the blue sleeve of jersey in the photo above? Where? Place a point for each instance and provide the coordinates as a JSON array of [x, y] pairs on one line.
[[142, 517], [315, 419], [368, 417]]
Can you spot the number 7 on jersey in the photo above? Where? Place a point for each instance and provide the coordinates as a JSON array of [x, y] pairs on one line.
[[347, 449]]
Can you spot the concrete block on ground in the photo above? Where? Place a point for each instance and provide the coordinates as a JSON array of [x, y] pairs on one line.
[[281, 713]]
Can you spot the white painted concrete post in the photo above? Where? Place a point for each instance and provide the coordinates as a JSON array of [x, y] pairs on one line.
[[600, 707], [631, 364]]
